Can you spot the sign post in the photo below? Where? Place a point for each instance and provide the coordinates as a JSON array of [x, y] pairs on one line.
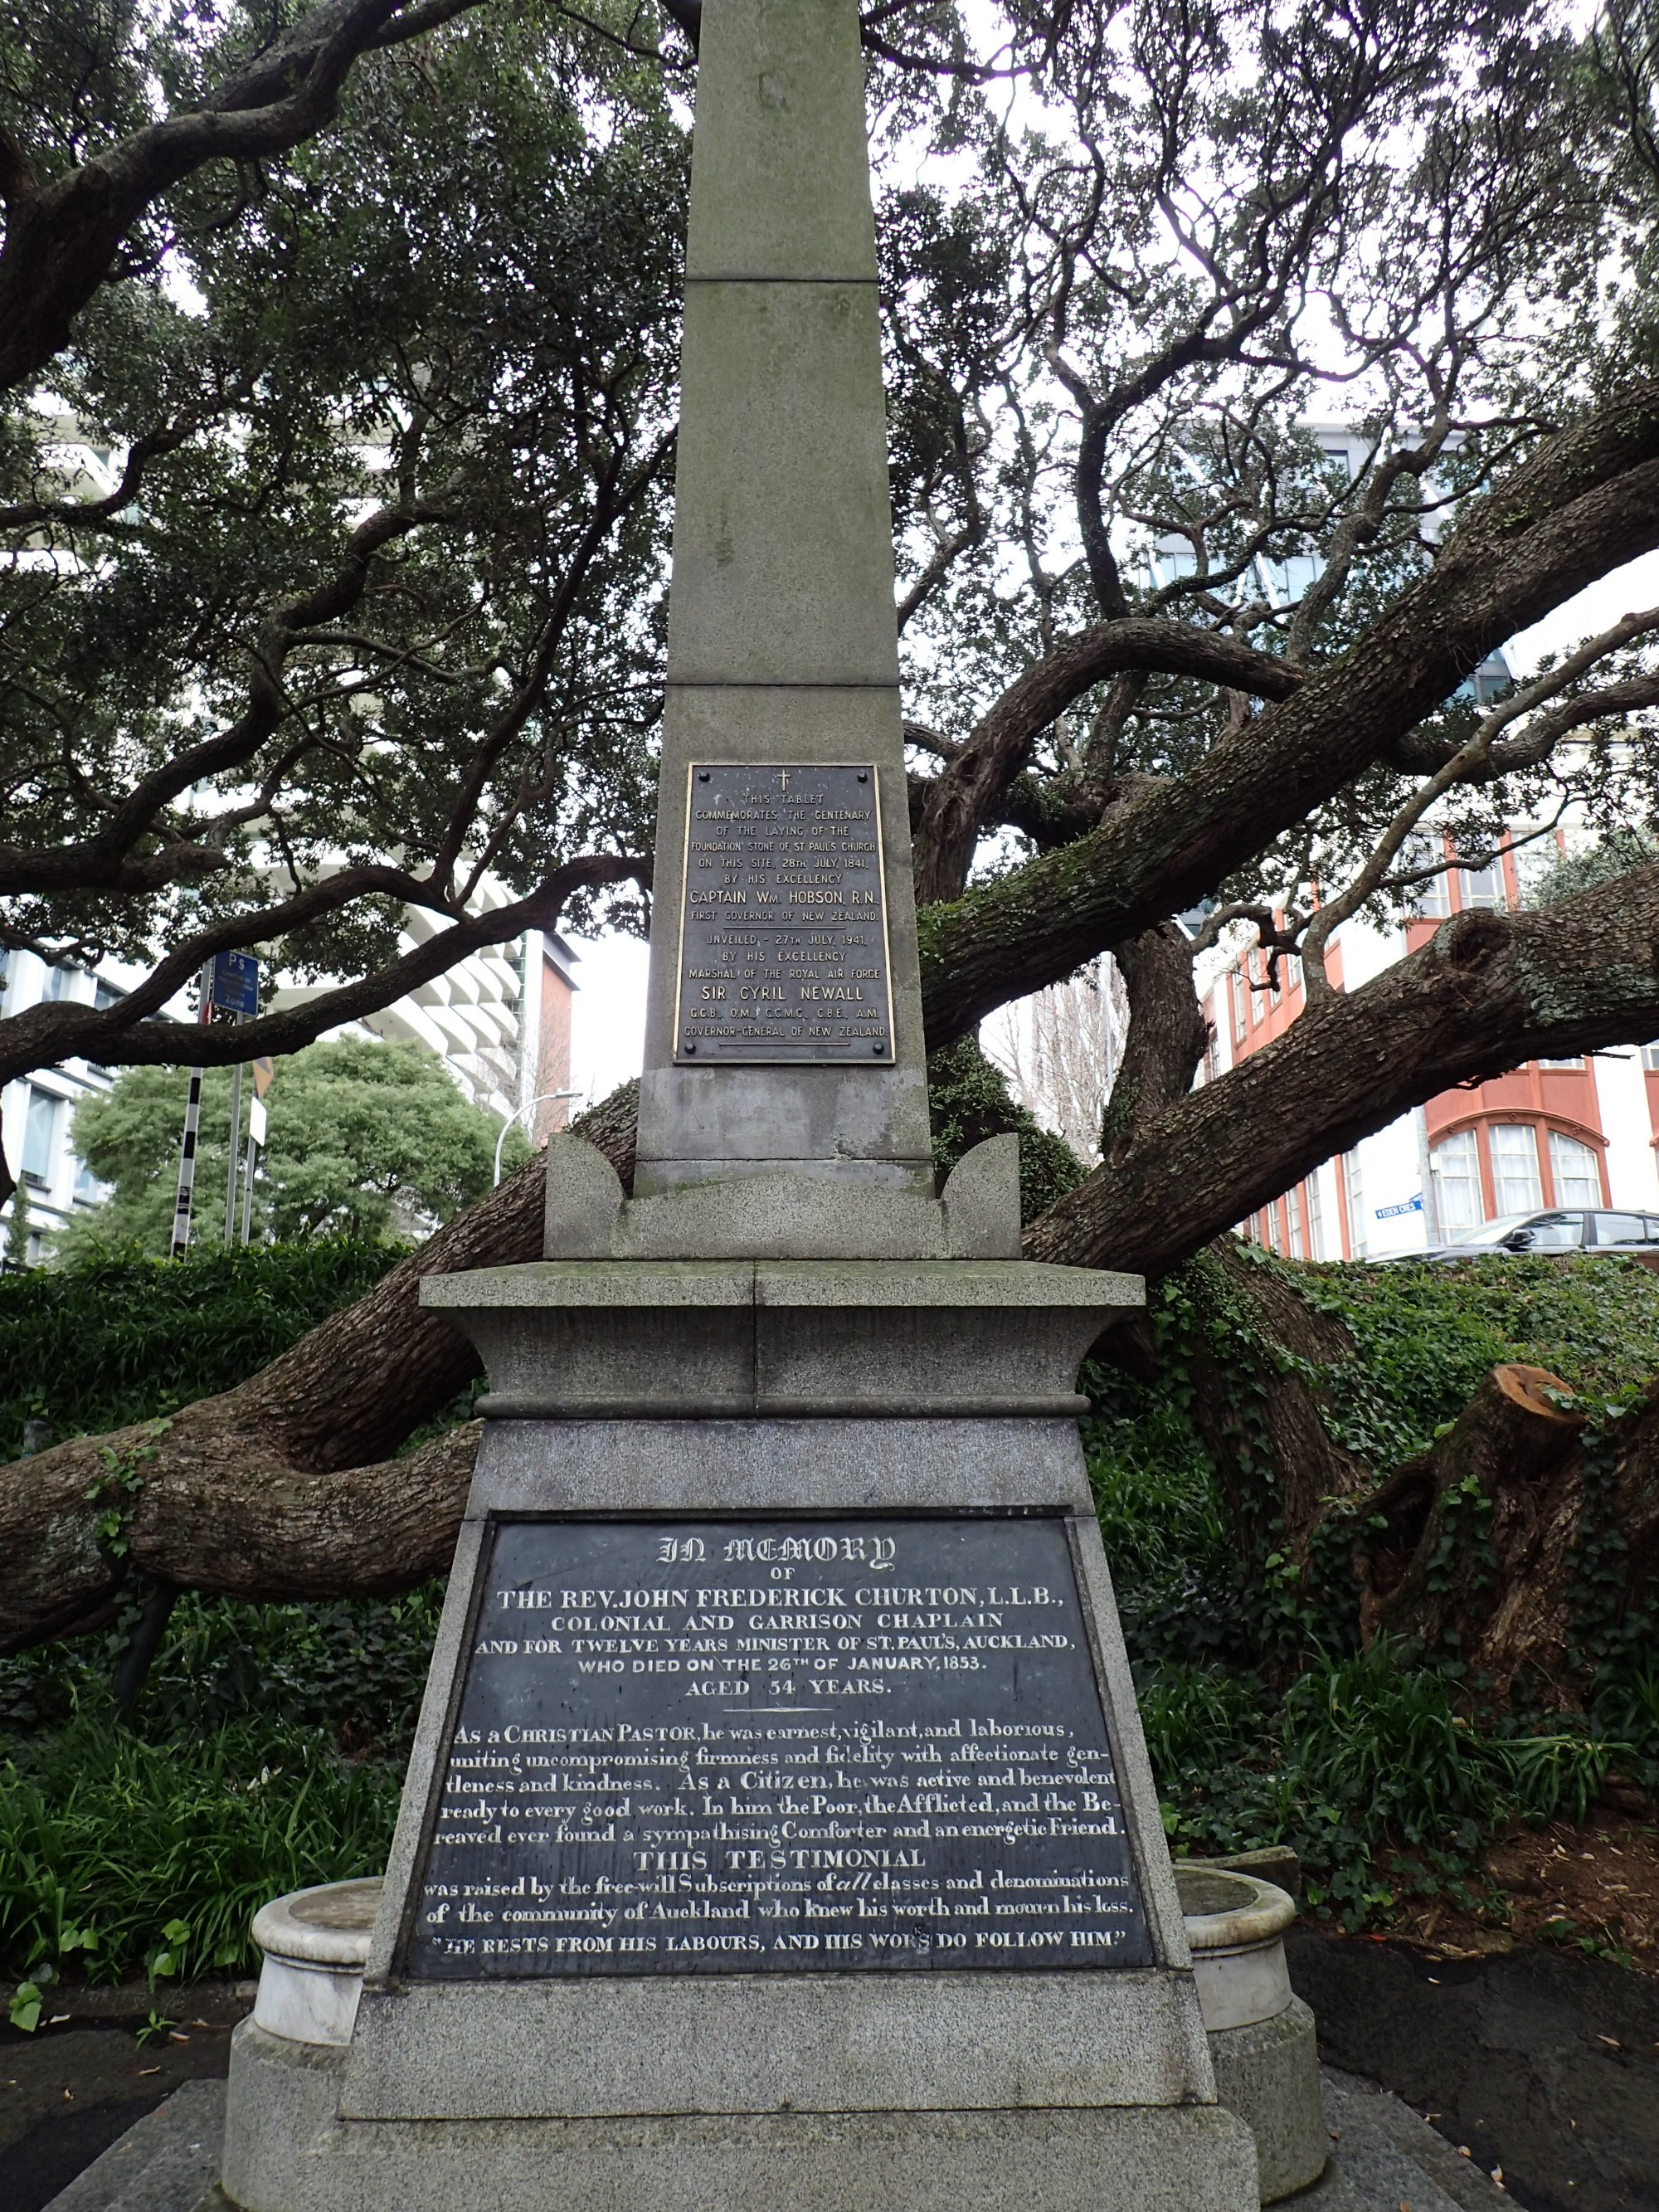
[[256, 1138], [181, 1205], [235, 988]]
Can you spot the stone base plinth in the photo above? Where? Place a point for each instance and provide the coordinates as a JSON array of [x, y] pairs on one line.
[[1268, 2074], [287, 2151]]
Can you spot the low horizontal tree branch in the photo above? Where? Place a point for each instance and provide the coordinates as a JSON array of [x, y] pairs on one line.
[[130, 1033]]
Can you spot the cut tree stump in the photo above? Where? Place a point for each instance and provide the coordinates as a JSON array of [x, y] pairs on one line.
[[1474, 1554]]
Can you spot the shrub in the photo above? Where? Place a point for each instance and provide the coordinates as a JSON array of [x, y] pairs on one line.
[[121, 1337]]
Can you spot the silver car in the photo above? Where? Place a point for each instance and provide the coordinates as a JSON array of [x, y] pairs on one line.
[[1557, 1228]]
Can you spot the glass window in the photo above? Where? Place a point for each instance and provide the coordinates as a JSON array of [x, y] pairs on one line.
[[40, 1130], [1484, 888], [1554, 1232], [1650, 1058], [1562, 1063], [1514, 1166], [1316, 1224], [1455, 1163], [1241, 1017], [1353, 1184], [87, 1188], [60, 983], [1293, 1217], [1620, 1229], [1432, 899], [1271, 1216], [1576, 1171], [1493, 1233]]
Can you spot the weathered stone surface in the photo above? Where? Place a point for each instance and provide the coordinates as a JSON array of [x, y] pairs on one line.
[[781, 185], [1381, 2155], [782, 639], [783, 568], [166, 2162], [1193, 2158], [913, 2042], [1268, 2074], [584, 1200], [732, 1337], [783, 1213], [982, 1202]]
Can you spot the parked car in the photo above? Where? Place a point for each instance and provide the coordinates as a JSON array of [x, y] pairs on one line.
[[1557, 1228]]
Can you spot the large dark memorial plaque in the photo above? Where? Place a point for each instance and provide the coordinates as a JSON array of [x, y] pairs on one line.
[[703, 1745], [783, 932]]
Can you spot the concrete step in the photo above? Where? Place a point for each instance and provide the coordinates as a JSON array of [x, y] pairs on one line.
[[168, 2162], [1383, 2158]]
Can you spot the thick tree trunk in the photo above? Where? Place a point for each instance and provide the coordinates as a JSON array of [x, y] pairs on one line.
[[1488, 992], [1481, 1554], [286, 1483], [1476, 1535], [1280, 1471]]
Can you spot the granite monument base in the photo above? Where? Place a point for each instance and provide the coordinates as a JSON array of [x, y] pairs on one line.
[[287, 2150], [778, 1826]]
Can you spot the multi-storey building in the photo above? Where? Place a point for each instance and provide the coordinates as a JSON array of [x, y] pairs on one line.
[[1574, 1133], [499, 1021]]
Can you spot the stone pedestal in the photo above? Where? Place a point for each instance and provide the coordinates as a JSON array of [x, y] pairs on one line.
[[1262, 2040], [815, 1393]]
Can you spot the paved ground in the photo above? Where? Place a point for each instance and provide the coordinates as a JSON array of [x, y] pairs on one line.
[[70, 2090], [1543, 2063]]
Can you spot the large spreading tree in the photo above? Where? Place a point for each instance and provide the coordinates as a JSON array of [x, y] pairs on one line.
[[373, 608]]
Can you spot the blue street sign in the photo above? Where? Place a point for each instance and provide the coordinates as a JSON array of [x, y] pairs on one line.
[[236, 982], [1393, 1213]]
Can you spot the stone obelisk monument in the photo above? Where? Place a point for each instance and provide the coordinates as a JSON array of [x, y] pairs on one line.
[[779, 1828]]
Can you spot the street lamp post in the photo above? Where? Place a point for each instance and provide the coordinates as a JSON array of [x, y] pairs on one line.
[[518, 1114]]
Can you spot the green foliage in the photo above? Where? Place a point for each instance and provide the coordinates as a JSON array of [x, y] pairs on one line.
[[1366, 1765], [459, 301], [17, 1228], [1263, 1724], [112, 1340], [1425, 1336], [1174, 1559], [1603, 862], [120, 1856], [365, 1139], [970, 1101], [356, 1667]]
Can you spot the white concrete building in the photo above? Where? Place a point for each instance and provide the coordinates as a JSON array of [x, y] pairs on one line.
[[502, 1059]]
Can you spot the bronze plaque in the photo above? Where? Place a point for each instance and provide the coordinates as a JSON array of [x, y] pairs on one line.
[[783, 931]]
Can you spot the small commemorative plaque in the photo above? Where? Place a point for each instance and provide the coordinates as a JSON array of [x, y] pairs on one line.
[[790, 1746], [783, 932]]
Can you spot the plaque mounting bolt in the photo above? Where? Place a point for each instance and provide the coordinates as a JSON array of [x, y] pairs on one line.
[[702, 775], [690, 1047], [864, 776]]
